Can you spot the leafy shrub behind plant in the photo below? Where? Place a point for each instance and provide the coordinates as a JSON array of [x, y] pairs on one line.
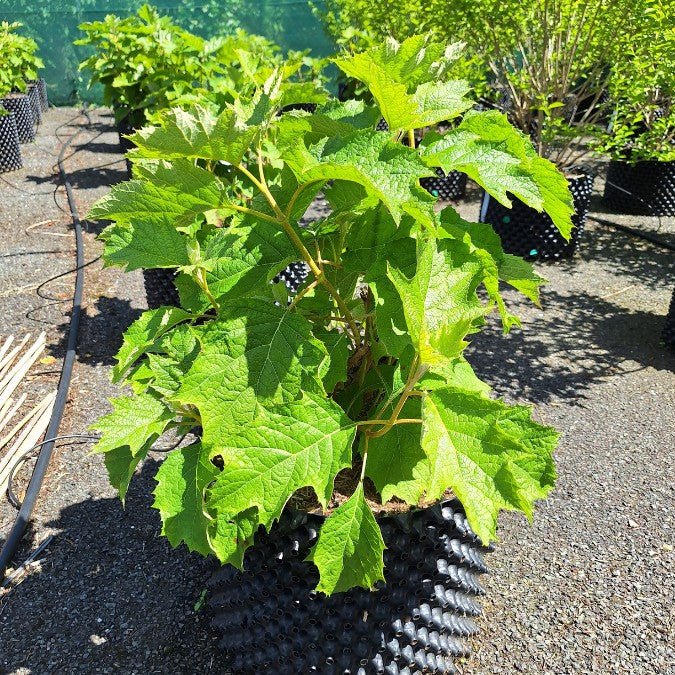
[[642, 87], [550, 61], [147, 64], [19, 62], [360, 371]]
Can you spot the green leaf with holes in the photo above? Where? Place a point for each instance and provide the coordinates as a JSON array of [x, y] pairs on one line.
[[182, 480]]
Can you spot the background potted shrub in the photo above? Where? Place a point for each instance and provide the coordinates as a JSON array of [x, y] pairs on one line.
[[147, 64], [641, 138], [549, 64], [18, 66], [10, 150], [352, 395], [144, 63]]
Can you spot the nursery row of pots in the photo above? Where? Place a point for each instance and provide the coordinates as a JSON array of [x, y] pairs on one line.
[[23, 114]]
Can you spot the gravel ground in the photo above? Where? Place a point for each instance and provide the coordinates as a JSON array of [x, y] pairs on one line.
[[587, 588]]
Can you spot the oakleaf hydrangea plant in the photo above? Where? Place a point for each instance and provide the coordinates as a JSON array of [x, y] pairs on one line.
[[361, 369]]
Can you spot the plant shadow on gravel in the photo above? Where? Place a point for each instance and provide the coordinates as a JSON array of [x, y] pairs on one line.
[[112, 147], [100, 335], [641, 260], [88, 178], [577, 340], [110, 596]]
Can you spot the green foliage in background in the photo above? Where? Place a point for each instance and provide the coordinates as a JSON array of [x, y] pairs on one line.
[[54, 26], [545, 63], [355, 25], [642, 87], [146, 64], [19, 63], [550, 62], [362, 369]]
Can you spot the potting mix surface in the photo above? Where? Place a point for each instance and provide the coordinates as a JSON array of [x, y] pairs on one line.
[[586, 588]]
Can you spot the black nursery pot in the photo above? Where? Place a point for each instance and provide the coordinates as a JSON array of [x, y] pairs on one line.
[[532, 235], [124, 128], [44, 98], [10, 151], [160, 288], [668, 333], [21, 106], [444, 186], [272, 621], [450, 186], [33, 93], [307, 107], [644, 188]]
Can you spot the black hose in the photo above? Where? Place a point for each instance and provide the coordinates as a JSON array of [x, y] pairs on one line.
[[634, 232], [13, 499], [21, 522]]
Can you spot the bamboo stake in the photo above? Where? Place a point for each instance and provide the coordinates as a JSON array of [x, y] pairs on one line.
[[28, 439], [11, 381], [4, 420], [4, 409], [5, 347], [10, 366], [7, 360], [37, 410]]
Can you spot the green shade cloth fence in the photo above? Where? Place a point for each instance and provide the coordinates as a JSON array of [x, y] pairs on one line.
[[53, 24]]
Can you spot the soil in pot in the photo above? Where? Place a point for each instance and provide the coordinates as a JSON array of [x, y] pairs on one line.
[[20, 105], [532, 235], [10, 151], [644, 188], [273, 621]]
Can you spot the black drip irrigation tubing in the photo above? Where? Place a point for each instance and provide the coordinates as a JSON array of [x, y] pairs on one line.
[[42, 463], [632, 231]]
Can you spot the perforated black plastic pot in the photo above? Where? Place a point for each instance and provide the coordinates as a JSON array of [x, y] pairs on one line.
[[20, 105], [645, 188], [530, 234], [33, 93], [44, 98], [124, 128], [307, 107], [444, 186], [10, 150], [668, 333], [450, 186], [272, 621], [160, 288]]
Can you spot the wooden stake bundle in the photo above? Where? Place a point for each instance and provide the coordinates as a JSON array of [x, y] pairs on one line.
[[6, 416], [28, 437], [14, 374], [27, 432]]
